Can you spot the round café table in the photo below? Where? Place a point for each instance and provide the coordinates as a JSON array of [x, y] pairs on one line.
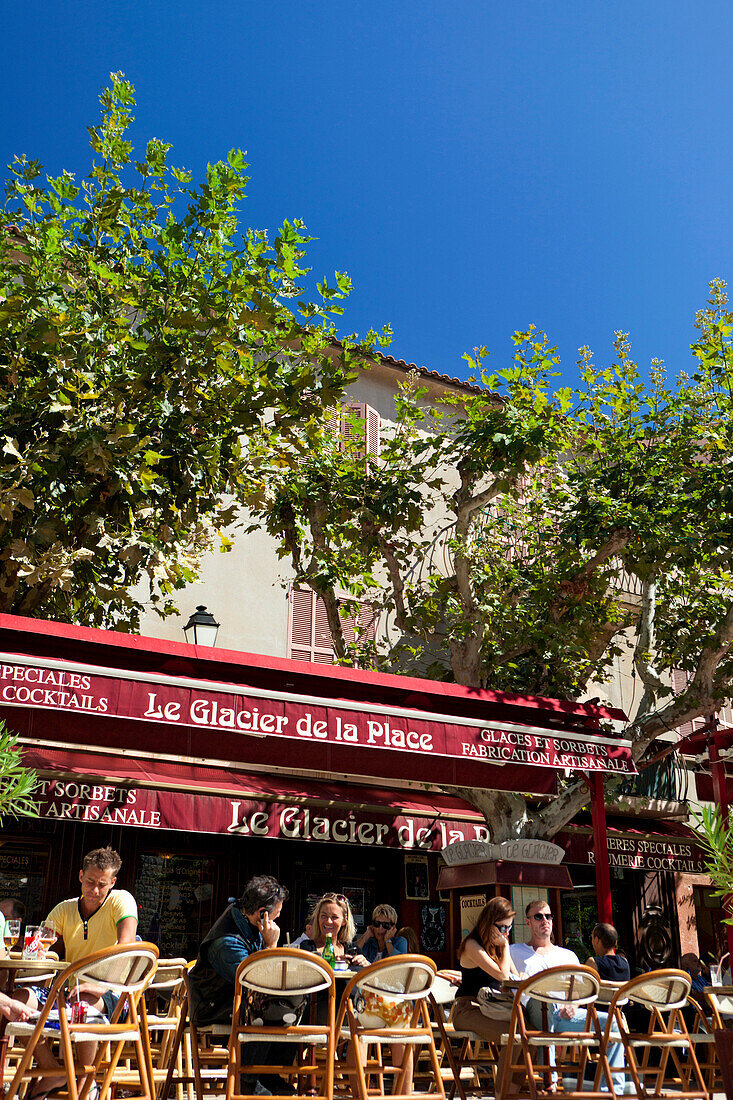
[[37, 970]]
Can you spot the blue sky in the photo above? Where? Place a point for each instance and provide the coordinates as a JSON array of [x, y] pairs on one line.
[[475, 165]]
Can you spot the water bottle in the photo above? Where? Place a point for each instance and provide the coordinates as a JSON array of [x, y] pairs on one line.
[[329, 955]]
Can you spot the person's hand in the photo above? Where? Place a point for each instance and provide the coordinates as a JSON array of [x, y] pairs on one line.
[[83, 991], [15, 1010], [270, 931], [391, 932], [566, 1012], [359, 961], [498, 939]]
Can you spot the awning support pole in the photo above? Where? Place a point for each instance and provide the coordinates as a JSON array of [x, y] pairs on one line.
[[717, 770], [600, 844]]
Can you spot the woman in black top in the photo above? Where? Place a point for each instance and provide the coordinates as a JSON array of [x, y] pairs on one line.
[[484, 960]]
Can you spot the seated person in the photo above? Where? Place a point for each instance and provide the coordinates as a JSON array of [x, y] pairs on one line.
[[411, 938], [240, 931], [332, 915], [691, 963], [380, 940], [610, 966], [542, 954], [485, 961], [98, 918]]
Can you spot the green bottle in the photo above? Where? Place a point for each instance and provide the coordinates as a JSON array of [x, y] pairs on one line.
[[329, 955]]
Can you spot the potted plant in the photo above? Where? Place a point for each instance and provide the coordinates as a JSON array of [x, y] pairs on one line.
[[714, 834]]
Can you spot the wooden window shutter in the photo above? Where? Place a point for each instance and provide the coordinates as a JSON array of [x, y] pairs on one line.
[[310, 638], [680, 680], [370, 430]]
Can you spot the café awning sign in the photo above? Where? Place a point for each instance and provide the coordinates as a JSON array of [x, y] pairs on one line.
[[176, 701]]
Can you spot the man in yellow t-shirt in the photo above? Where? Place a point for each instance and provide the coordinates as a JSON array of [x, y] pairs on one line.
[[99, 918], [102, 916]]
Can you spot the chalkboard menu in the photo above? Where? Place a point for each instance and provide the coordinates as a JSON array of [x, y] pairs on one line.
[[174, 895]]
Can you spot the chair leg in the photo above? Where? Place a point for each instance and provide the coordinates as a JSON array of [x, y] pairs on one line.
[[175, 1055]]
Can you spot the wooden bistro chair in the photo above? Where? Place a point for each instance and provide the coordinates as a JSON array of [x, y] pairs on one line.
[[160, 1011], [197, 1056], [720, 999], [552, 1058], [466, 1059], [385, 1005], [663, 993], [126, 970], [290, 973]]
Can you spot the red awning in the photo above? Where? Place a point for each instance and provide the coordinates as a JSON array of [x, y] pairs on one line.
[[96, 688], [155, 795]]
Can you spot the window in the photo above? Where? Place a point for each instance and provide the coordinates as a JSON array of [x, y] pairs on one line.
[[344, 419], [309, 636], [680, 680]]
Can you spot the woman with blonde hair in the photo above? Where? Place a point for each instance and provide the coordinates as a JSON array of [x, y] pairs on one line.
[[332, 915], [380, 939]]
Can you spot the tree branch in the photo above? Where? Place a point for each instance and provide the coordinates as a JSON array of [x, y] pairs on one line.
[[645, 650], [395, 577]]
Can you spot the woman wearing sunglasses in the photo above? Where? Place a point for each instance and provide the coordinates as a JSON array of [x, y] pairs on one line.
[[380, 939], [484, 961]]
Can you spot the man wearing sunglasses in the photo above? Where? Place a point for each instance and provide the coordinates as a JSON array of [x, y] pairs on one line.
[[379, 940], [541, 954]]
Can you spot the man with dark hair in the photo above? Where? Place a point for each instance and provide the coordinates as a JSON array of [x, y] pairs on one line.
[[610, 966], [240, 931], [12, 909]]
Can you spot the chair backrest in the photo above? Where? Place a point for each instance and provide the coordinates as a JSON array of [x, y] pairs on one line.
[[169, 974], [573, 985], [663, 990], [443, 991], [124, 968], [608, 991], [721, 1001], [285, 970], [400, 977]]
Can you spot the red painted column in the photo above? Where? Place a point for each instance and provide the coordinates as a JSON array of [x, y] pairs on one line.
[[600, 845], [717, 770]]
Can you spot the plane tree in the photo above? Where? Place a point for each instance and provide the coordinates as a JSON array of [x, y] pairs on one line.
[[143, 333], [527, 537]]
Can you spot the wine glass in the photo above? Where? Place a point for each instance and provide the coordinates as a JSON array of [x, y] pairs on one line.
[[48, 936], [11, 935]]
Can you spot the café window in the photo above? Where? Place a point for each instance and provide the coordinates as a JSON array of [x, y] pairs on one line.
[[174, 895], [23, 876]]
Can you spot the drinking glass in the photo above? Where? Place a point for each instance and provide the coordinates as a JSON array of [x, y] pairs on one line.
[[32, 941], [48, 936], [12, 934], [716, 974]]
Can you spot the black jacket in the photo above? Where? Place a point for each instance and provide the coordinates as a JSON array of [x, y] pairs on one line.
[[212, 993]]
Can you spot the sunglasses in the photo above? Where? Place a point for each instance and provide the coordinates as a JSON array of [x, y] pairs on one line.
[[335, 897], [542, 916], [382, 923], [505, 929]]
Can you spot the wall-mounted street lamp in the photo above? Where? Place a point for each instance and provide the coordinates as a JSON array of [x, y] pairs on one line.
[[202, 628]]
